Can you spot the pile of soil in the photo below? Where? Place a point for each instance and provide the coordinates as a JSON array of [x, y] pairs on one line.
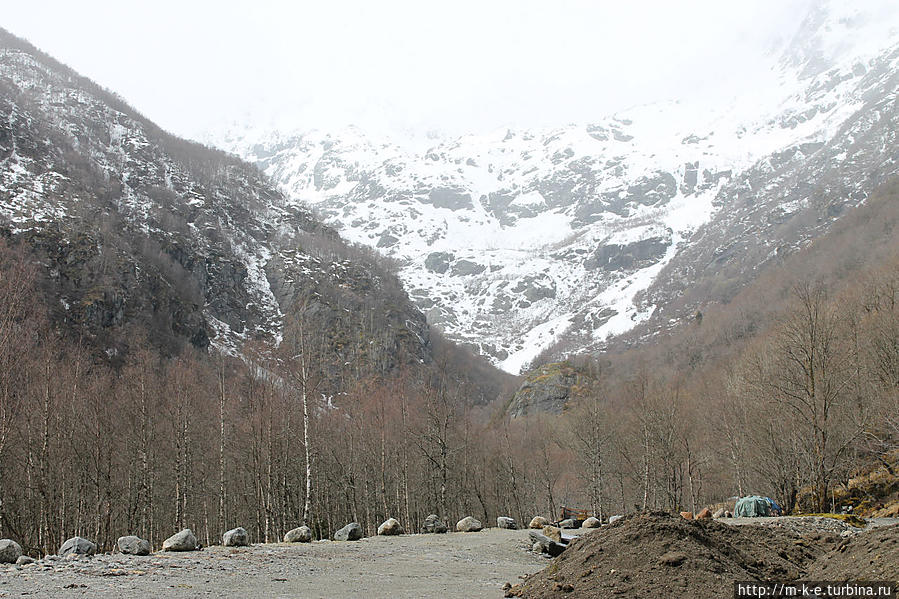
[[872, 555], [657, 554]]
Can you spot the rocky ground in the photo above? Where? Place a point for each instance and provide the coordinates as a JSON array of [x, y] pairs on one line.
[[445, 565], [643, 555]]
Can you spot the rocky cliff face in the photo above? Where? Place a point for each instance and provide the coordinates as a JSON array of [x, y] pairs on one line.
[[548, 389], [139, 230], [569, 239]]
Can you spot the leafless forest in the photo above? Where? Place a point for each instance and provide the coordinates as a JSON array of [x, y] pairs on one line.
[[784, 391]]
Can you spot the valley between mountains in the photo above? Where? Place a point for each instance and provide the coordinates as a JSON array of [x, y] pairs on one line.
[[290, 335]]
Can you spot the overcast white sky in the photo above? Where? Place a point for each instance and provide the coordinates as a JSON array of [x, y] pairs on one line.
[[455, 66]]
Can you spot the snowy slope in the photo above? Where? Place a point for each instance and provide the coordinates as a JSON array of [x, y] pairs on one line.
[[519, 240], [188, 243]]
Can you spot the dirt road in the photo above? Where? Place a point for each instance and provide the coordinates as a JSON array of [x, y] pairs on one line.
[[447, 565]]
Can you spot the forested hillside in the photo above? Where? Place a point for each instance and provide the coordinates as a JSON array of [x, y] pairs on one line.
[[183, 346]]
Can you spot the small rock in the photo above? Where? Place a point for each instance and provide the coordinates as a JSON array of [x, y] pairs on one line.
[[10, 551], [687, 515], [719, 513], [506, 522], [591, 522], [301, 534], [132, 545], [180, 541], [704, 514], [469, 524], [433, 524], [24, 560], [673, 558], [538, 522], [236, 537], [77, 546], [350, 532], [614, 519], [569, 523], [390, 527], [537, 548]]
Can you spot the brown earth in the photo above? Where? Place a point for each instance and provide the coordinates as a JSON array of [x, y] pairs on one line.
[[872, 555], [658, 554]]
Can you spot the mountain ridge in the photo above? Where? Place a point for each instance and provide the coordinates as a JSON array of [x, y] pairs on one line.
[[522, 242], [140, 233]]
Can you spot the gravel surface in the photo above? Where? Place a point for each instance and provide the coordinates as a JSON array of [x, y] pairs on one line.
[[448, 565], [805, 524]]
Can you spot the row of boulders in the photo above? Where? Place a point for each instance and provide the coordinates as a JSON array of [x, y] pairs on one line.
[[185, 540], [539, 522]]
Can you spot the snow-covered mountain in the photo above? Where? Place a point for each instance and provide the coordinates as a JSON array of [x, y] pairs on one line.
[[142, 233], [522, 240]]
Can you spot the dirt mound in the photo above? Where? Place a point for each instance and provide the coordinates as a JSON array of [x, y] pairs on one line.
[[656, 554], [872, 555]]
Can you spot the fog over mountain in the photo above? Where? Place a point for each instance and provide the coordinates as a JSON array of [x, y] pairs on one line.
[[524, 240], [400, 66]]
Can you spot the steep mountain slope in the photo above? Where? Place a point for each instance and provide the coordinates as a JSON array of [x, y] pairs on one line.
[[567, 239], [143, 232]]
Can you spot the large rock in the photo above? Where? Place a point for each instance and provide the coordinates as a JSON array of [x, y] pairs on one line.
[[77, 546], [10, 551], [181, 541], [569, 523], [433, 524], [300, 534], [506, 522], [236, 537], [553, 532], [686, 515], [24, 560], [469, 524], [639, 254], [390, 527], [538, 522], [719, 513], [132, 545], [705, 514], [546, 544], [591, 522], [615, 518], [350, 532]]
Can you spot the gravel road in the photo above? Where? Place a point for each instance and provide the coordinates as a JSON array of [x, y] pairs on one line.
[[447, 565]]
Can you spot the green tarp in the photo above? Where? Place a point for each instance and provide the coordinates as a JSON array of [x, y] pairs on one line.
[[752, 507]]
